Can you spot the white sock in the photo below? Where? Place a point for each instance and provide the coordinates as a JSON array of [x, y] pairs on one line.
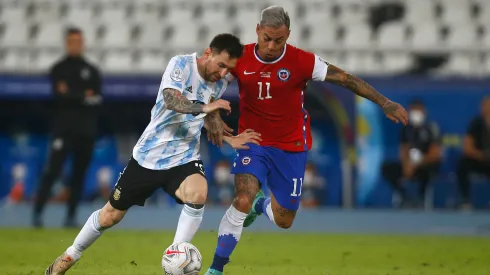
[[230, 231], [267, 206], [87, 236], [189, 222]]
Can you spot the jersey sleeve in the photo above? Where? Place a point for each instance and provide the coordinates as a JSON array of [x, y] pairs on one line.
[[320, 69], [314, 67], [175, 74]]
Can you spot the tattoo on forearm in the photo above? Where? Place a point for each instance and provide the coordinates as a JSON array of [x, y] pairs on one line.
[[246, 184], [214, 122], [355, 84], [175, 101]]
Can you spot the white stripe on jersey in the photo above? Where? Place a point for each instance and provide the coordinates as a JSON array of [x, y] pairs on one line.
[[172, 139]]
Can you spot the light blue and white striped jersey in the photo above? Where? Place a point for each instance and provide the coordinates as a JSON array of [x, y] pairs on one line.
[[172, 139]]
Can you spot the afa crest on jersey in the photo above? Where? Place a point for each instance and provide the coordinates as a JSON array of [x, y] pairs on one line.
[[283, 74]]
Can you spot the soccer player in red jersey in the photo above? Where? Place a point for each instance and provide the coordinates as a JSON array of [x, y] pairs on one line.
[[272, 77]]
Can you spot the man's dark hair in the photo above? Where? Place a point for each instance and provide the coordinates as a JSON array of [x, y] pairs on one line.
[[72, 30], [227, 42]]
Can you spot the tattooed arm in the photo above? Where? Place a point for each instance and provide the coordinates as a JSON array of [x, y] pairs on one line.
[[393, 110], [175, 101]]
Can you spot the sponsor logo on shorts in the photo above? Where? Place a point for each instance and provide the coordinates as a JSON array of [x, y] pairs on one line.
[[246, 160], [117, 194]]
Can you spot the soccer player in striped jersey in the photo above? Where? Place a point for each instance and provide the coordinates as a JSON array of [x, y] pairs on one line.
[[167, 154]]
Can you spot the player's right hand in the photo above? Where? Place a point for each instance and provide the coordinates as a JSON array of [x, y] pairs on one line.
[[216, 105], [248, 136]]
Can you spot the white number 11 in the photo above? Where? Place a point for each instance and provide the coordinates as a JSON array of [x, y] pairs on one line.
[[268, 87], [295, 187]]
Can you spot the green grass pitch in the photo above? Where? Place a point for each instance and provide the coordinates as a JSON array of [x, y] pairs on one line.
[[121, 252]]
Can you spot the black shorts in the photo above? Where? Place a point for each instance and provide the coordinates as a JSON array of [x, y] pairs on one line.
[[136, 183]]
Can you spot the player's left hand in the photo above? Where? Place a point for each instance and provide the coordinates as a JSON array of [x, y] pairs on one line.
[[248, 136], [395, 112]]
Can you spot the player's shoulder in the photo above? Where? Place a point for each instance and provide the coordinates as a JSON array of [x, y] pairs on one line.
[[182, 60], [297, 52]]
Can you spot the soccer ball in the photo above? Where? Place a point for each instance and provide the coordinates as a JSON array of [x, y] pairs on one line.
[[182, 259]]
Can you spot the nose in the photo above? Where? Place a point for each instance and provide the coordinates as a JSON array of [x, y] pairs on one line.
[[223, 72], [271, 45]]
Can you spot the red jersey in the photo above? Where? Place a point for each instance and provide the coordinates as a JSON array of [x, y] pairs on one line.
[[272, 96]]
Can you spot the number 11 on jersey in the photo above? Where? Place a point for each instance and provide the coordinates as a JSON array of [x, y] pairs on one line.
[[268, 88]]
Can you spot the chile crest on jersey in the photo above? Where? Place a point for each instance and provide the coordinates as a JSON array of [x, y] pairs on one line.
[[283, 74]]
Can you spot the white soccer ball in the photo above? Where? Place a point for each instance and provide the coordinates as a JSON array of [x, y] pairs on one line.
[[182, 259]]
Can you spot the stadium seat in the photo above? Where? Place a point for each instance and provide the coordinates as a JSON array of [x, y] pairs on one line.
[[455, 12], [395, 63], [15, 35], [419, 11], [353, 12], [45, 60], [426, 37], [357, 37], [118, 62], [114, 16], [188, 40], [116, 36], [151, 62], [49, 35], [457, 64], [150, 38], [462, 37], [392, 36], [48, 11], [13, 14], [80, 16], [15, 61], [318, 14], [323, 37]]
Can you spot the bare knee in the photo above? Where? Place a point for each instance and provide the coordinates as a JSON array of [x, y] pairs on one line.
[[243, 203], [285, 224], [196, 197], [246, 187], [110, 216]]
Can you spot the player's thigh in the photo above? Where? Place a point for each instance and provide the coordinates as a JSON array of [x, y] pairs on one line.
[[187, 183], [134, 186], [250, 168], [285, 180], [194, 189]]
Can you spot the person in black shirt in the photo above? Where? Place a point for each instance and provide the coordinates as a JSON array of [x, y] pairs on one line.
[[76, 88], [476, 151], [420, 154]]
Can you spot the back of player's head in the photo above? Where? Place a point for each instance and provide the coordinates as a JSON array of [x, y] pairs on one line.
[[275, 17], [227, 42]]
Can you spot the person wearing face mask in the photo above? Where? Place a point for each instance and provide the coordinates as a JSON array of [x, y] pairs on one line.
[[420, 154], [476, 152]]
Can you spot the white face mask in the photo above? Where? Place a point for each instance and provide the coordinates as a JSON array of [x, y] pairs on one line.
[[416, 117], [222, 175]]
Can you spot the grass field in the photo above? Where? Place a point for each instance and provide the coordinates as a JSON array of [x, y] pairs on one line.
[[118, 252]]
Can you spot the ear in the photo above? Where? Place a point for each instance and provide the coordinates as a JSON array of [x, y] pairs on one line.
[[257, 28], [208, 53]]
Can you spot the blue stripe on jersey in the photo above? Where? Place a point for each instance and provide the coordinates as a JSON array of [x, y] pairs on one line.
[[192, 146], [145, 149], [158, 107], [219, 85], [305, 117], [183, 128], [168, 152]]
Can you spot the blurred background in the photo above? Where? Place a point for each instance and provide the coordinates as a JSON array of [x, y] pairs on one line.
[[428, 55]]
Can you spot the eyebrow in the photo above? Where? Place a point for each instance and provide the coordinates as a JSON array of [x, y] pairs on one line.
[[268, 37]]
